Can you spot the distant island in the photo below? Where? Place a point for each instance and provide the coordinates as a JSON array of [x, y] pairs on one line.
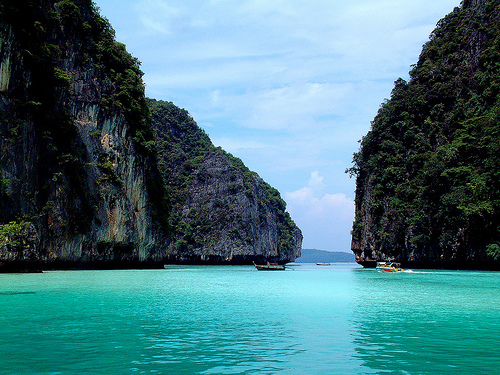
[[323, 256]]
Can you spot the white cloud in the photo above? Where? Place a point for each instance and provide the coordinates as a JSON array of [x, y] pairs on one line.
[[235, 145], [293, 107], [158, 16], [289, 86], [316, 181], [324, 218]]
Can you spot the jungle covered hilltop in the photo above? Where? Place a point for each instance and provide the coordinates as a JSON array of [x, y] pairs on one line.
[[89, 178], [428, 171]]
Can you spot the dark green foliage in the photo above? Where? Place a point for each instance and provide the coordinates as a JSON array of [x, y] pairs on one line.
[[64, 62], [428, 172], [180, 140], [38, 36], [182, 151], [11, 234], [46, 33], [129, 94], [285, 223], [68, 12], [182, 147]]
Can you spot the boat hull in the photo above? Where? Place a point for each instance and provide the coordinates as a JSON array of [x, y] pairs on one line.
[[270, 267], [389, 267], [386, 269]]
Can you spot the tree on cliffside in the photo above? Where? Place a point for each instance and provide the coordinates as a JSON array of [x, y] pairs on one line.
[[428, 172], [88, 179], [221, 211]]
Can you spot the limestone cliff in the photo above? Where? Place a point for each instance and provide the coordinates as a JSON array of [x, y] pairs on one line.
[[221, 211], [427, 173], [80, 184]]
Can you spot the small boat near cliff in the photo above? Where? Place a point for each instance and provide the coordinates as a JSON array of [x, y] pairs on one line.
[[389, 267], [270, 267], [322, 264]]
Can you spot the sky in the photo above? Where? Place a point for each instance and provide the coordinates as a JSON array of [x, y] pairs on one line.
[[288, 86]]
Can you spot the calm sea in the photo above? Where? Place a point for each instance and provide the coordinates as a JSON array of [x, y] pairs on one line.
[[309, 319]]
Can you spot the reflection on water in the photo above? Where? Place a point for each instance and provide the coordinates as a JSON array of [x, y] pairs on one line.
[[214, 339], [235, 320], [427, 322], [205, 320], [13, 293]]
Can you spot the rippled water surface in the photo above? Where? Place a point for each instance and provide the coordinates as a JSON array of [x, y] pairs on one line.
[[309, 319]]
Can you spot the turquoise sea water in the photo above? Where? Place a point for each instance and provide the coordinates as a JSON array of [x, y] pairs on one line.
[[308, 319]]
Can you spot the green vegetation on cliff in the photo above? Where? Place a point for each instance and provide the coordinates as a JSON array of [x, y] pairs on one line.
[[92, 174], [49, 32], [57, 41], [428, 172], [191, 165]]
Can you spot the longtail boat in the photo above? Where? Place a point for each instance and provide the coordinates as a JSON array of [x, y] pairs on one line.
[[269, 267]]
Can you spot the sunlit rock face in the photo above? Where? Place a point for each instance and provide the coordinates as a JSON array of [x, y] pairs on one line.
[[80, 182], [221, 212]]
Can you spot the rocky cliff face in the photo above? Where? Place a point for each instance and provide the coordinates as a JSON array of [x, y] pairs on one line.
[[80, 184], [221, 211], [427, 173], [71, 169]]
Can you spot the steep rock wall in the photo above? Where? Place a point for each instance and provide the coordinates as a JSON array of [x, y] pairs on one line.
[[221, 211], [70, 166], [427, 173], [80, 181], [222, 220]]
